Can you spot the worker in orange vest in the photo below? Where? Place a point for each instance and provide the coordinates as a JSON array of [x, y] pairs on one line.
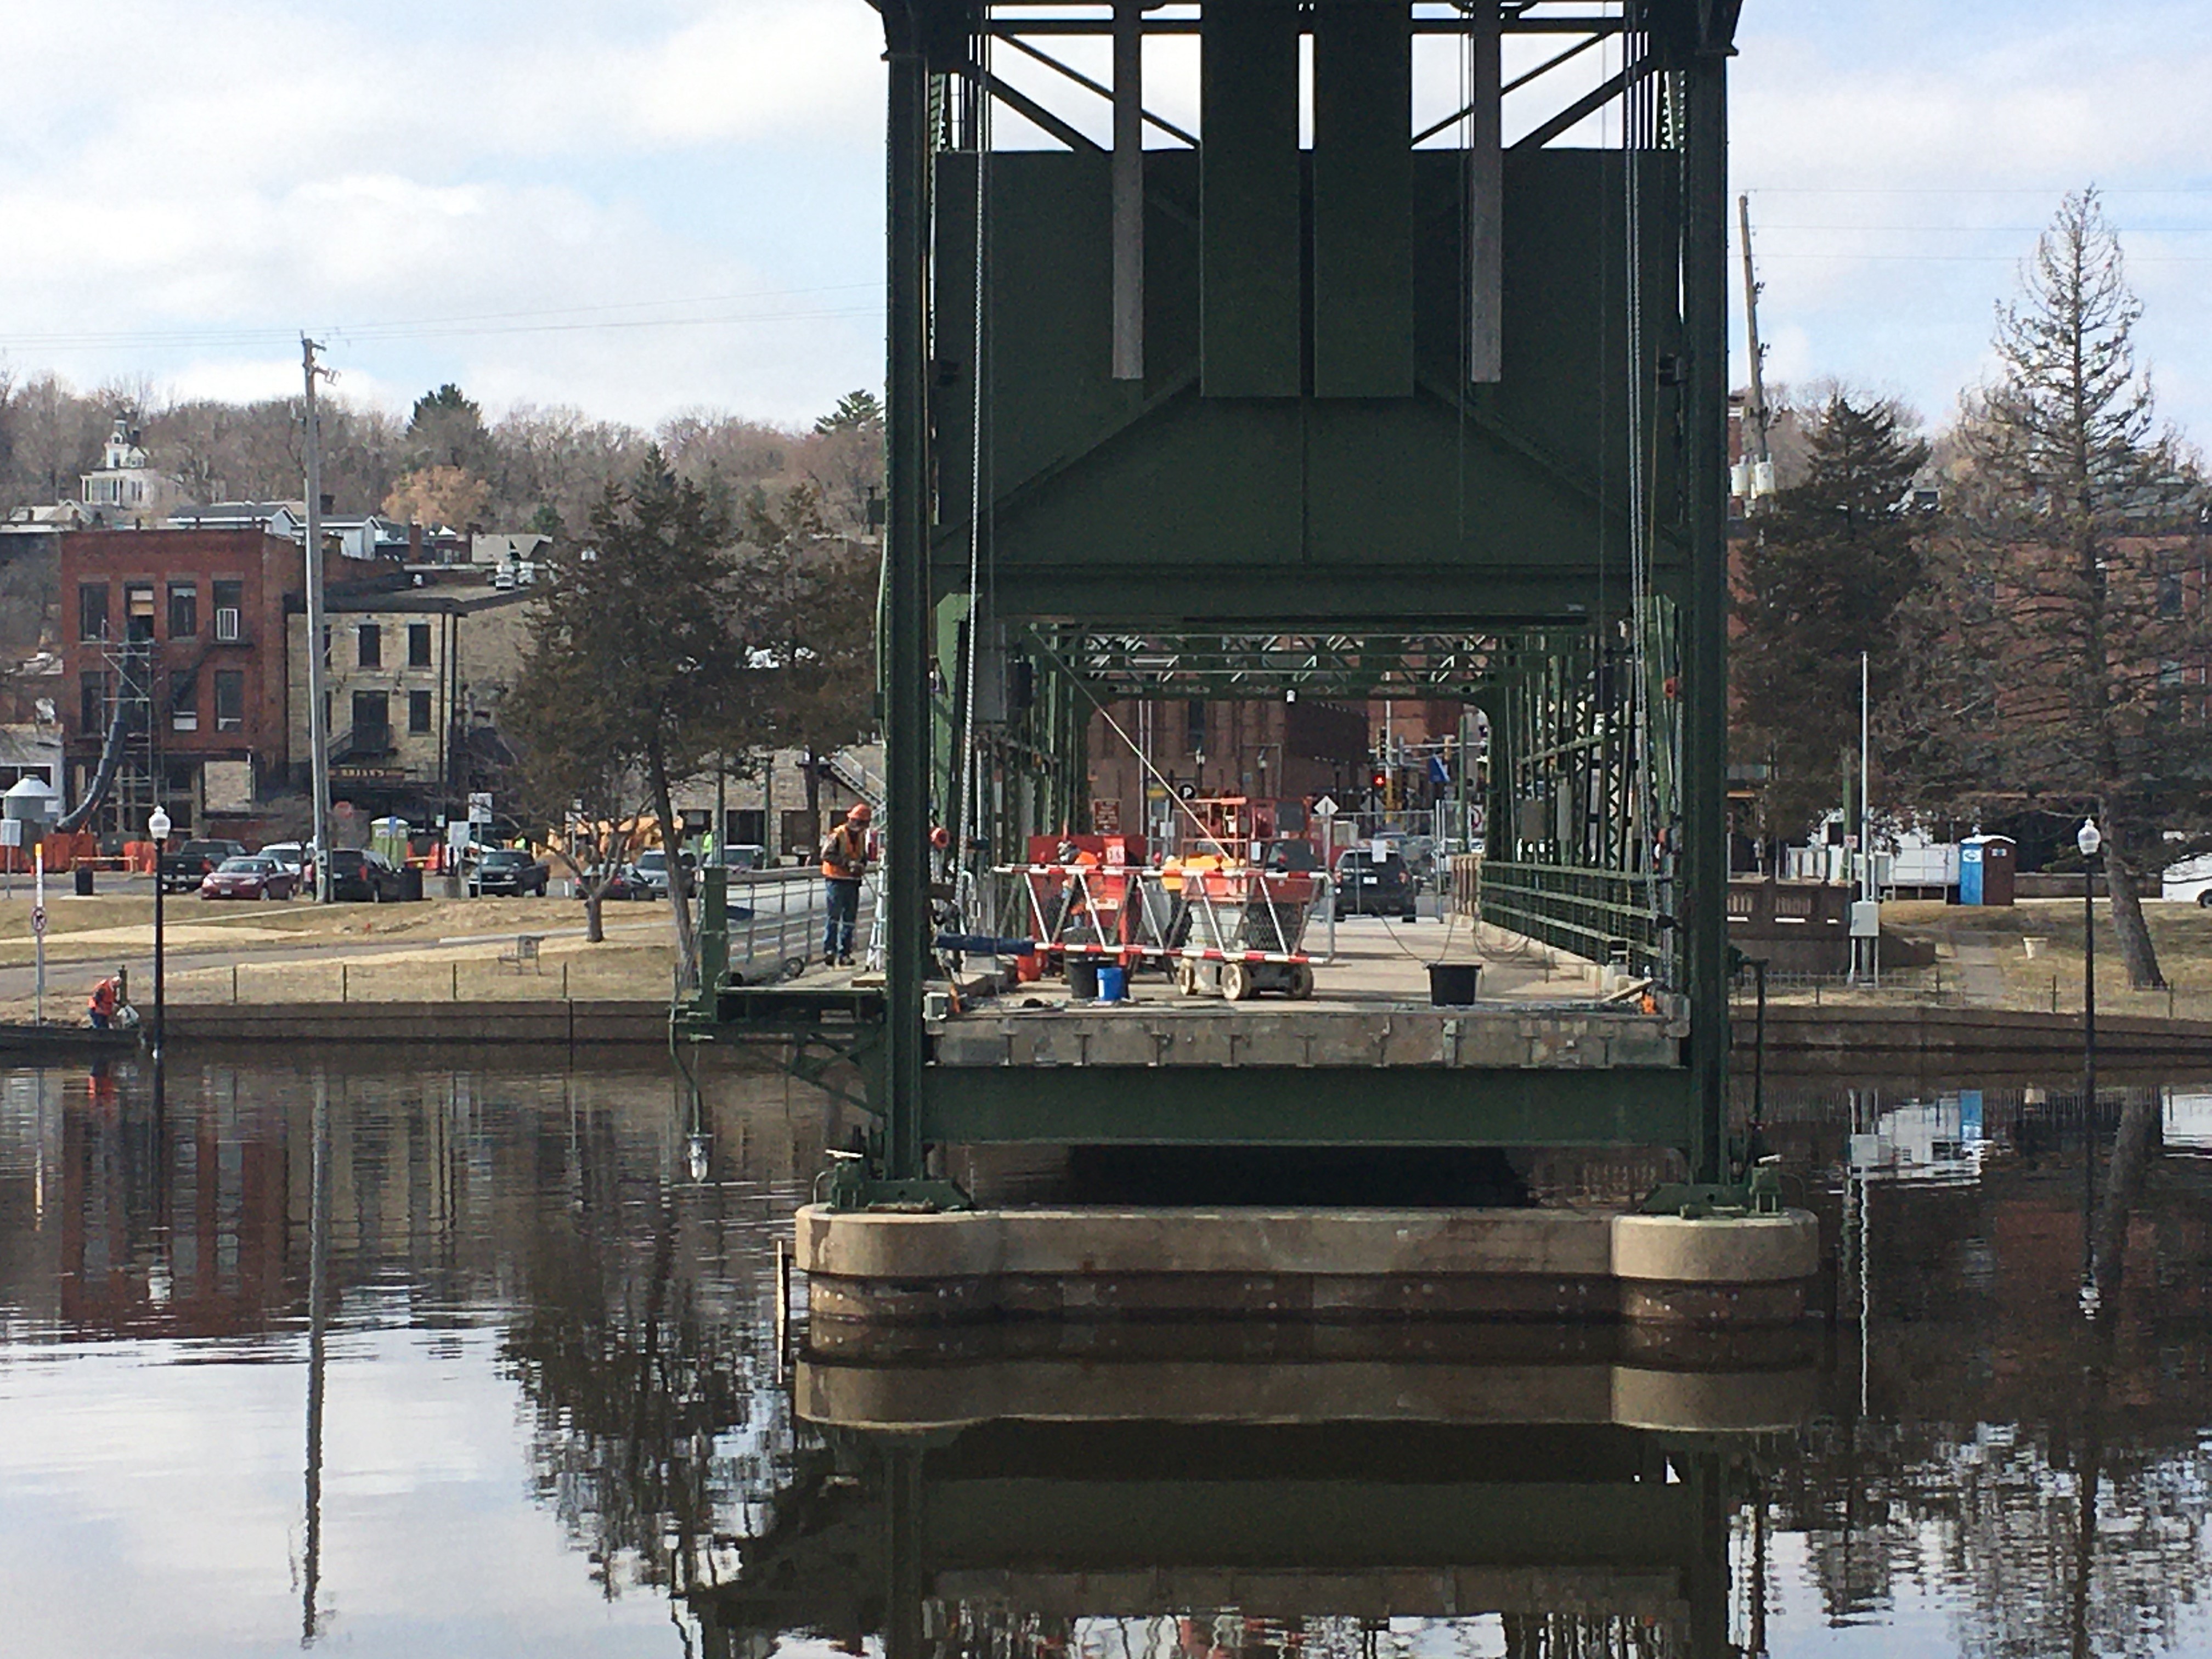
[[100, 1010], [844, 861]]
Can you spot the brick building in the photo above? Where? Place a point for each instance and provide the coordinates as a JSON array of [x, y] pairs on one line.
[[1262, 749], [173, 648]]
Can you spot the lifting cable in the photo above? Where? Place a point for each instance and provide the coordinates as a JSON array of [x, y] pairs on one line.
[[1634, 105], [968, 814]]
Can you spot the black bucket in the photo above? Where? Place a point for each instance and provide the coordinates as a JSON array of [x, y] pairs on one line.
[[84, 880], [1083, 978], [1451, 984]]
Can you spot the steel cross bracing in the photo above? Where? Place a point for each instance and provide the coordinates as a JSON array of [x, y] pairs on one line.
[[1443, 666], [1310, 390]]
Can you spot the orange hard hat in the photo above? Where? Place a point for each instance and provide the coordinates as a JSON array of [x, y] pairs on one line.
[[860, 814]]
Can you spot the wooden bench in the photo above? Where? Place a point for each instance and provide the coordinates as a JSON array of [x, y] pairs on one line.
[[525, 950]]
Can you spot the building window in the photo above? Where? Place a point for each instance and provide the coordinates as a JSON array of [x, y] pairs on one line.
[[92, 708], [418, 644], [184, 611], [418, 711], [368, 644], [184, 701], [229, 610], [92, 615], [2169, 593], [230, 700], [138, 613], [372, 719]]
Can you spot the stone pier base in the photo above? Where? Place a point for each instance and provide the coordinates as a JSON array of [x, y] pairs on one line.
[[1319, 1264]]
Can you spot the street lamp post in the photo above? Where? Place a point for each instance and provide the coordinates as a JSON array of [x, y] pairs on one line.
[[2089, 838], [158, 828]]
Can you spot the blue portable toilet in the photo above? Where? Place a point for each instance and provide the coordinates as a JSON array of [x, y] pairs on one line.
[[1969, 870]]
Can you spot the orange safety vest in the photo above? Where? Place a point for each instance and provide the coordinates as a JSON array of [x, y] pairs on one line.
[[845, 855], [103, 997]]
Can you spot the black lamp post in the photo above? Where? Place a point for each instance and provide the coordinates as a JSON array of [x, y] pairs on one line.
[[158, 828], [2088, 839]]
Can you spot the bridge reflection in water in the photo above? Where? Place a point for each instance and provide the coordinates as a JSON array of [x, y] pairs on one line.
[[1188, 1492]]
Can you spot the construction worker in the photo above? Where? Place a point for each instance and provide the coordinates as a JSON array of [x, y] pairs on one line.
[[100, 1010], [844, 862]]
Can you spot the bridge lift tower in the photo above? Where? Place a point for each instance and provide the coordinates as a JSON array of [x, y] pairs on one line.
[[1307, 396]]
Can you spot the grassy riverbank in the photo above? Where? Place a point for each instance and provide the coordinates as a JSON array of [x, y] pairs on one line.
[[2029, 956]]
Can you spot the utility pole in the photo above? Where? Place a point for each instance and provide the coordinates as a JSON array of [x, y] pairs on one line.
[[1755, 416], [318, 737]]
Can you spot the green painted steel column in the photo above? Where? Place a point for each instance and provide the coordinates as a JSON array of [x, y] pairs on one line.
[[906, 555], [1705, 739]]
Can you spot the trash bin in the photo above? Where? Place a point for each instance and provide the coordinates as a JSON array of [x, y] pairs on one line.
[[84, 880], [1083, 978], [1451, 984], [1112, 984], [410, 881]]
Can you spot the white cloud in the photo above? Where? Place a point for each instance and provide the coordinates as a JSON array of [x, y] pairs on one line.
[[443, 161], [1895, 192]]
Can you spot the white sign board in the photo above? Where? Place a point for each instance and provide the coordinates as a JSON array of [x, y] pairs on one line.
[[11, 832], [457, 835], [479, 809], [1326, 806]]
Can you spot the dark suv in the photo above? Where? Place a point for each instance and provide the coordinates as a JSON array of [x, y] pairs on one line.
[[364, 876], [183, 870], [508, 869], [1372, 883]]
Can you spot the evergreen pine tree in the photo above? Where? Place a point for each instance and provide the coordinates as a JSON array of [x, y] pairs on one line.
[[1821, 580]]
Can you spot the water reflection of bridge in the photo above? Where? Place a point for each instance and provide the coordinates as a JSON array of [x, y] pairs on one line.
[[1141, 1491]]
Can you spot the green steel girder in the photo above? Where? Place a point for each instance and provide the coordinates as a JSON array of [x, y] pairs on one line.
[[1215, 490], [1310, 1106], [1213, 665]]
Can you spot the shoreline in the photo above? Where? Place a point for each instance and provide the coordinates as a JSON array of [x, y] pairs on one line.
[[1798, 1037]]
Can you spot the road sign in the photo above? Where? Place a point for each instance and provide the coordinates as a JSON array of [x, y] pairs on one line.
[[1326, 806], [11, 832], [39, 920], [479, 809]]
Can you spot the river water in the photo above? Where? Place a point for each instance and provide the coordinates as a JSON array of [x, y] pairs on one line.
[[395, 1361]]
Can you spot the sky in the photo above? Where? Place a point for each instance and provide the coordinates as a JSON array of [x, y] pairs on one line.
[[663, 205]]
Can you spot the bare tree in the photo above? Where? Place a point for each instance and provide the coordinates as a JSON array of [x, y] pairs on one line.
[[2080, 530]]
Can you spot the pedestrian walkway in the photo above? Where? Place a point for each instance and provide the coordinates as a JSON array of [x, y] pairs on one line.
[[1981, 980]]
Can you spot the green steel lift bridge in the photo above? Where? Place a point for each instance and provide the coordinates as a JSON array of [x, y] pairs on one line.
[[1306, 395]]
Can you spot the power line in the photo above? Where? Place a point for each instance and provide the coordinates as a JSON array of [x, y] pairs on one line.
[[466, 324]]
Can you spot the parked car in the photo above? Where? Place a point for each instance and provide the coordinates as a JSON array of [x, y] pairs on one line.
[[620, 885], [185, 868], [1372, 881], [363, 876], [508, 870], [257, 876], [2189, 881], [740, 855], [1419, 852], [289, 855], [647, 873]]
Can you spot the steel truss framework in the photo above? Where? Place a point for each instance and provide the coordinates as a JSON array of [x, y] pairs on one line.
[[1239, 417]]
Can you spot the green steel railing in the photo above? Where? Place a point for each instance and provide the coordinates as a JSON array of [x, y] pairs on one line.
[[1601, 915]]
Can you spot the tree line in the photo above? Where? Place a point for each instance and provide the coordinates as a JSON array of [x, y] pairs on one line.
[[2039, 642], [531, 468]]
